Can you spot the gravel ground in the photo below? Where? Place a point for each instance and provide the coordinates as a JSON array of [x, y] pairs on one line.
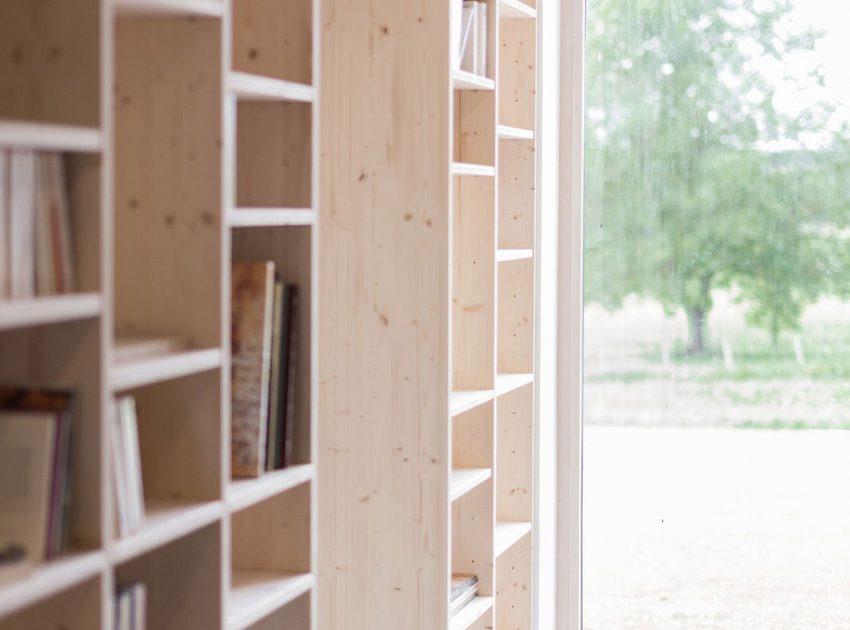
[[713, 528]]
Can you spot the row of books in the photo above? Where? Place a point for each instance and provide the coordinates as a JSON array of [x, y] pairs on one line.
[[130, 606], [464, 590], [35, 231], [264, 345], [36, 428], [127, 468], [472, 44]]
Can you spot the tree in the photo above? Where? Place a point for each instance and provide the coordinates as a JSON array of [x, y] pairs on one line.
[[681, 195]]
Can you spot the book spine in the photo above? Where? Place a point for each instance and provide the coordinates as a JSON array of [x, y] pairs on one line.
[[4, 224], [291, 361], [119, 474], [133, 460], [22, 229]]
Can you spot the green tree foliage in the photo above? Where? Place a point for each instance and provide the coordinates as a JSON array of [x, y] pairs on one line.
[[686, 191]]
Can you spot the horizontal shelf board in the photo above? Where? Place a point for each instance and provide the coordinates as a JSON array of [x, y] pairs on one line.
[[508, 534], [465, 479], [514, 133], [49, 310], [165, 522], [48, 137], [243, 493], [163, 368], [270, 217], [477, 170], [255, 594], [465, 400], [463, 80], [516, 9], [506, 383], [204, 8], [470, 613], [45, 580], [253, 87], [507, 255]]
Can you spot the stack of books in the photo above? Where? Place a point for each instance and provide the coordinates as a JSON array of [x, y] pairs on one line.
[[472, 35], [464, 590], [127, 467], [130, 603], [264, 343], [35, 468], [35, 229]]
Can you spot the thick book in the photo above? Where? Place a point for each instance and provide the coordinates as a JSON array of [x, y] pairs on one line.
[[251, 340], [60, 403], [27, 442], [133, 462], [275, 389], [120, 485], [289, 373]]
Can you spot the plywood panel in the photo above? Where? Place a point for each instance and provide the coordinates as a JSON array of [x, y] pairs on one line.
[[472, 536], [168, 178], [514, 583], [274, 38], [384, 362], [50, 61], [518, 73], [516, 317], [517, 201], [472, 438], [473, 289], [515, 455]]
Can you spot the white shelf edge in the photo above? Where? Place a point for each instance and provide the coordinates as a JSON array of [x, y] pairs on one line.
[[516, 9], [506, 383], [244, 493], [17, 313], [464, 480], [463, 80], [48, 137], [165, 522], [253, 87], [201, 8], [50, 578], [470, 613], [133, 374], [256, 594], [270, 217], [507, 534], [464, 400], [508, 255], [506, 132], [475, 170]]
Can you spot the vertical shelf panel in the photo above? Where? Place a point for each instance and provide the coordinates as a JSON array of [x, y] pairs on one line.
[[515, 455], [168, 172], [517, 204], [516, 317], [473, 309], [518, 73], [50, 61], [274, 38], [274, 154]]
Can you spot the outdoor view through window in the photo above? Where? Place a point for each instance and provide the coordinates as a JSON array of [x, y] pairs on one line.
[[717, 317]]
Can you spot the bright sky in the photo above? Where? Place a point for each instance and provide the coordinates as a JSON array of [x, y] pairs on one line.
[[833, 55]]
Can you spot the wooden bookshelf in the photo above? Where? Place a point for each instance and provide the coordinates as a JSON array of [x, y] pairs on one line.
[[492, 339], [427, 459], [189, 142]]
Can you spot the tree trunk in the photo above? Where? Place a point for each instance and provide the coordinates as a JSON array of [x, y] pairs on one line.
[[696, 330]]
